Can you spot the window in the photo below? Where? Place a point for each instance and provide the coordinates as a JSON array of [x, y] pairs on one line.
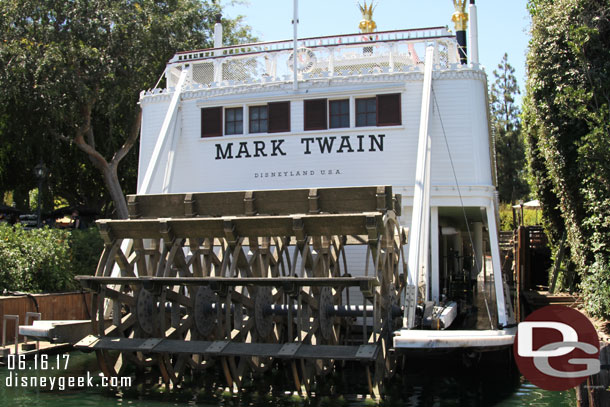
[[234, 120], [270, 118], [382, 110], [279, 117], [388, 110], [211, 122], [258, 119], [315, 114], [339, 113], [366, 112]]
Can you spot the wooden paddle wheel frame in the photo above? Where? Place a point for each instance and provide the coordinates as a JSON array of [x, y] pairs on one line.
[[244, 281]]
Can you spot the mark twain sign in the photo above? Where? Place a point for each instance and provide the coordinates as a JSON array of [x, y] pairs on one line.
[[309, 145]]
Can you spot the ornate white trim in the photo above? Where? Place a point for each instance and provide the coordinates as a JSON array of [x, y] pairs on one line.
[[199, 91]]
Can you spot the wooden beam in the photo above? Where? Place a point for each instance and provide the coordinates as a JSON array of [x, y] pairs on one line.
[[236, 281], [268, 226], [278, 202]]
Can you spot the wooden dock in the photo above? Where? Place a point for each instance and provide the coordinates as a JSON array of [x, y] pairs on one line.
[[538, 299], [54, 306]]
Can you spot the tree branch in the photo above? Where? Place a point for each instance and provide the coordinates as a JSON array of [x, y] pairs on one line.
[[90, 138], [128, 144], [96, 158], [79, 139]]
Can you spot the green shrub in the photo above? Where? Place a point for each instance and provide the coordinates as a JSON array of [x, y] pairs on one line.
[[87, 246], [35, 260], [46, 260], [506, 217]]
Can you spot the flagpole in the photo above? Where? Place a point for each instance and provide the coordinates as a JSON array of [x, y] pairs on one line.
[[295, 21]]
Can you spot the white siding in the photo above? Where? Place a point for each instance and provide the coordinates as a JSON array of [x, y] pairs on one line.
[[152, 120], [460, 104]]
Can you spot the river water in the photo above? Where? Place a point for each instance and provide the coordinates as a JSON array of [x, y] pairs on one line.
[[435, 384]]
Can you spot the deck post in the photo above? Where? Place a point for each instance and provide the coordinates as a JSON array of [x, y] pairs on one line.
[[16, 319], [477, 232], [497, 268], [419, 244]]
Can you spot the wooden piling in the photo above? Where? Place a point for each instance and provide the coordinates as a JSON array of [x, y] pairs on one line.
[[521, 269], [595, 391]]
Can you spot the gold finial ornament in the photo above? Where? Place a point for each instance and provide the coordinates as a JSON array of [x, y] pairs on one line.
[[367, 25], [460, 17]]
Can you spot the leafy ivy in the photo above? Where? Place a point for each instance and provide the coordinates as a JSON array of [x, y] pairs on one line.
[[567, 127]]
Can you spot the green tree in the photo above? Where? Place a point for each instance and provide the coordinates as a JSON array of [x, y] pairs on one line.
[[506, 125], [72, 70], [566, 124]]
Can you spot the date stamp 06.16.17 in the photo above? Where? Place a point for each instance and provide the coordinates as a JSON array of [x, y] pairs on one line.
[[51, 372]]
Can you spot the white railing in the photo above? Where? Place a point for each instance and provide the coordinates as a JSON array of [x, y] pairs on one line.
[[345, 55], [337, 40]]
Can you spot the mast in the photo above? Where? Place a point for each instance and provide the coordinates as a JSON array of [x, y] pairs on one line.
[[473, 38]]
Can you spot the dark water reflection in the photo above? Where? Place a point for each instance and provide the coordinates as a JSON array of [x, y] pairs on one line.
[[438, 384]]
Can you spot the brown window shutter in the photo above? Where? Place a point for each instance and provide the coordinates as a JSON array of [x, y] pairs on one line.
[[211, 122], [388, 110], [315, 114], [279, 117]]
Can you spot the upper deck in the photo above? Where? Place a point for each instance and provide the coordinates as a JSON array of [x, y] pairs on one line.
[[319, 58], [209, 139]]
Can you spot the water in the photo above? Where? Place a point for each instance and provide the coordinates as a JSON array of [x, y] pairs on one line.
[[438, 384]]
